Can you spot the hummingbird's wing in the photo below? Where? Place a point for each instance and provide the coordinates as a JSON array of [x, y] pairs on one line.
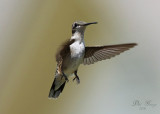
[[64, 50], [98, 53]]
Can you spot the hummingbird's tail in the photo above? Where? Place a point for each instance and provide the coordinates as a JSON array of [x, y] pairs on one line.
[[56, 88]]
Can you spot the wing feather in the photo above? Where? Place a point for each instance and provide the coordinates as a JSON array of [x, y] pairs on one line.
[[98, 53]]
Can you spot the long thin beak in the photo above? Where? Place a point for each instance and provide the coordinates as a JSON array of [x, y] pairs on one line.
[[86, 24]]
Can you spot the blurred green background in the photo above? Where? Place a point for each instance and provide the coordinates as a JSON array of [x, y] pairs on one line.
[[32, 30]]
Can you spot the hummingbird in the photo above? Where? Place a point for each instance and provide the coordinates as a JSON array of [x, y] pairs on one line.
[[74, 52]]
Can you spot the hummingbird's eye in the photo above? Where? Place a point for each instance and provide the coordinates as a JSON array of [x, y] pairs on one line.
[[75, 25]]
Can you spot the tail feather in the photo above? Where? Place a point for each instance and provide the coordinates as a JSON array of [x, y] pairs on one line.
[[54, 93]]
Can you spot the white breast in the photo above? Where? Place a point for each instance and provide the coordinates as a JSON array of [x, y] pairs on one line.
[[77, 49], [77, 53]]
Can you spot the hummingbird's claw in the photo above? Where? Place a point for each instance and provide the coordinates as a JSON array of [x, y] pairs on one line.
[[77, 79], [65, 77], [67, 80]]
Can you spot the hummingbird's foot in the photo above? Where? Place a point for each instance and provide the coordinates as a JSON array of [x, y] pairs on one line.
[[76, 77], [65, 77]]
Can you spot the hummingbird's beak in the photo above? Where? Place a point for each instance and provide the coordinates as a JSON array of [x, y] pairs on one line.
[[86, 24]]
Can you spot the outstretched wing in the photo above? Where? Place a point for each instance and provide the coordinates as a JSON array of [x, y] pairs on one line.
[[98, 53]]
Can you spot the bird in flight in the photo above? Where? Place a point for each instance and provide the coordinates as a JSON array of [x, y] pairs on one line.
[[74, 52]]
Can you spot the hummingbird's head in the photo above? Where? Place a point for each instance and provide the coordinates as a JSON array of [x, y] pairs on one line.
[[80, 26]]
